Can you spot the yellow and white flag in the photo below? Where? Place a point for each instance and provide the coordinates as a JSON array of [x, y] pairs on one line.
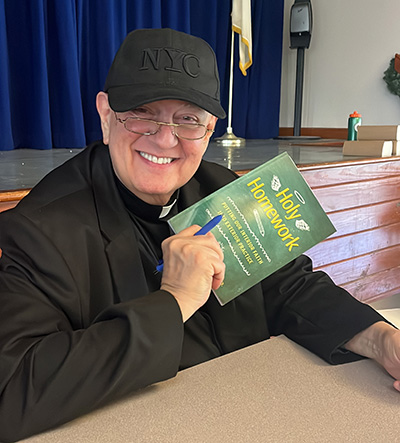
[[241, 23]]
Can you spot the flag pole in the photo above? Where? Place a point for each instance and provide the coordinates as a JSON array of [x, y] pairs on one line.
[[229, 138]]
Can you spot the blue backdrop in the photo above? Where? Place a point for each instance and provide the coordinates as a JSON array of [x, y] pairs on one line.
[[55, 54]]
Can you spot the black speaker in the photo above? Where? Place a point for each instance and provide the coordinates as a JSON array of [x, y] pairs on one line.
[[300, 37]]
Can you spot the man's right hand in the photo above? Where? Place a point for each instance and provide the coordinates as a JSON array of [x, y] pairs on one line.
[[193, 265]]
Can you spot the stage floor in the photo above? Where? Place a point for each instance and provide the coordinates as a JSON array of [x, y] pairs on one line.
[[23, 168]]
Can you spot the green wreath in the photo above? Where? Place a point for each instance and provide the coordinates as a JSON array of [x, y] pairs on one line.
[[392, 78]]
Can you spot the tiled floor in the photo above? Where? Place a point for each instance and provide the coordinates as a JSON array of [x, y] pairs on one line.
[[23, 168]]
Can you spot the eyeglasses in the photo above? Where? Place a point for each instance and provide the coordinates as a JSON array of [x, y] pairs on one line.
[[143, 126]]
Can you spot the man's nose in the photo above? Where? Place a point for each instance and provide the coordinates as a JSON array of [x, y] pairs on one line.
[[165, 136]]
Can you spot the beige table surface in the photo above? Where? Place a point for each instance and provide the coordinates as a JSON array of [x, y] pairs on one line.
[[274, 391]]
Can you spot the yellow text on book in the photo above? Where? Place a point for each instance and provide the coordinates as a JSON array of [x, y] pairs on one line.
[[290, 209]]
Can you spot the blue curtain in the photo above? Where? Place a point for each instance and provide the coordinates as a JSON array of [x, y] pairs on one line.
[[55, 54]]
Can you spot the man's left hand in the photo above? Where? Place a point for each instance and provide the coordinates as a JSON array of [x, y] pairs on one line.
[[380, 342]]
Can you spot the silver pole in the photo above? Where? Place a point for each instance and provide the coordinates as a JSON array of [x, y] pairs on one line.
[[229, 138]]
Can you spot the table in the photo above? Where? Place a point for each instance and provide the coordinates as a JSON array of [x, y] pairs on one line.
[[274, 391]]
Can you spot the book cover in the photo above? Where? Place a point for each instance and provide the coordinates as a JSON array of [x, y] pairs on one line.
[[379, 132], [269, 217], [368, 148]]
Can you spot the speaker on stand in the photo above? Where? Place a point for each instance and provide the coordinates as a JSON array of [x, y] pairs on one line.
[[300, 37]]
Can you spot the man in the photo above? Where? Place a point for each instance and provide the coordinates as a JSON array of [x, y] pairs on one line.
[[84, 318]]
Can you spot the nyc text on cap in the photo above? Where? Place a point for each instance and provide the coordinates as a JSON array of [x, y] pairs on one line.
[[161, 64]]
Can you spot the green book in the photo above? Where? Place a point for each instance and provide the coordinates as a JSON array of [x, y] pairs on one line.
[[270, 216]]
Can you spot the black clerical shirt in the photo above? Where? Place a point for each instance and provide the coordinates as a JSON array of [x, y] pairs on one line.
[[200, 343]]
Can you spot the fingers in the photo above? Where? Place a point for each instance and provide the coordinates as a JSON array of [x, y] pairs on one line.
[[193, 265], [396, 385], [219, 275], [189, 245]]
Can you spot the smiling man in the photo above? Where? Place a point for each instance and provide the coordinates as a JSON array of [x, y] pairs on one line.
[[84, 318], [156, 81], [153, 168]]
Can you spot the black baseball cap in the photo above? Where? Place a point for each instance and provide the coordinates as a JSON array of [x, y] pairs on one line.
[[161, 64]]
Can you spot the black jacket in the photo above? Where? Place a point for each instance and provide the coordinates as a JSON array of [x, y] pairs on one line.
[[79, 327]]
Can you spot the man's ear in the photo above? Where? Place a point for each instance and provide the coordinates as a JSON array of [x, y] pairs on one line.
[[211, 124], [105, 112]]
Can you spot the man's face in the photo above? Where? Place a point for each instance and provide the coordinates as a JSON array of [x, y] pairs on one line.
[[153, 167]]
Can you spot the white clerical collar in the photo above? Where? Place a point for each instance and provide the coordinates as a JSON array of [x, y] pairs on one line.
[[166, 209]]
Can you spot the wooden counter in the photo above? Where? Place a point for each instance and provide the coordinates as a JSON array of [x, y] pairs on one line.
[[361, 196], [8, 199], [362, 199]]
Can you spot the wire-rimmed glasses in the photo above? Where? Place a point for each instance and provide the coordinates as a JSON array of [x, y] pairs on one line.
[[144, 126]]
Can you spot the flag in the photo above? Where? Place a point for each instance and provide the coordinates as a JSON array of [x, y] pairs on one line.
[[241, 24]]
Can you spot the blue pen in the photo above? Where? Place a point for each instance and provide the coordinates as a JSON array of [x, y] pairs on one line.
[[202, 231]]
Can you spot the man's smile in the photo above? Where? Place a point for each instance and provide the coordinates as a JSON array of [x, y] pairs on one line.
[[154, 159]]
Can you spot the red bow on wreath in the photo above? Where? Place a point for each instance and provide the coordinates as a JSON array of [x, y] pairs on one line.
[[397, 63], [392, 75]]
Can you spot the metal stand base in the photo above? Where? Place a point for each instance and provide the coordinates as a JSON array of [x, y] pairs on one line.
[[230, 139]]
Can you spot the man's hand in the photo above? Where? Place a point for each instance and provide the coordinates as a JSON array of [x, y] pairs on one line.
[[381, 342], [193, 265]]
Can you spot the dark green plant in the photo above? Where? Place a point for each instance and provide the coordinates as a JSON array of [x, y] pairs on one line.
[[392, 78]]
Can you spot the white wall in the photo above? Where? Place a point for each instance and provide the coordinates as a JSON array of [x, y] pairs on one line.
[[351, 46]]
